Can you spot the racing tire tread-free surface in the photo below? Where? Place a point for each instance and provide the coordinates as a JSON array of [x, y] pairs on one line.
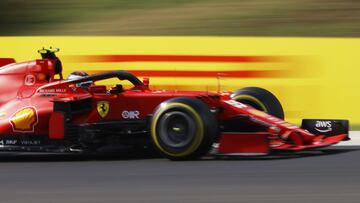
[[183, 128]]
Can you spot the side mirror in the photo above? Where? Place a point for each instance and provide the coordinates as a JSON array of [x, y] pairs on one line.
[[146, 82]]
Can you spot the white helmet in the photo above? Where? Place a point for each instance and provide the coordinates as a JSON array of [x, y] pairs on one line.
[[78, 75]]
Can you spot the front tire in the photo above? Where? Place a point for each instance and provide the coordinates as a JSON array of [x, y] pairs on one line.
[[259, 99], [183, 128]]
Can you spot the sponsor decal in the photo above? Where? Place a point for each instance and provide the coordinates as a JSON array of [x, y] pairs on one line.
[[4, 142], [30, 142], [236, 104], [273, 119], [24, 120], [30, 80], [8, 142], [258, 113], [61, 90], [2, 115], [323, 126], [130, 114], [103, 108], [289, 125]]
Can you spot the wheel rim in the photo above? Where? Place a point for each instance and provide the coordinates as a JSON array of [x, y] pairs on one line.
[[176, 129], [197, 123], [251, 101]]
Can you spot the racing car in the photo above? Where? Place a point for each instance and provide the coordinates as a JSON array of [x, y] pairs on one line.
[[40, 111]]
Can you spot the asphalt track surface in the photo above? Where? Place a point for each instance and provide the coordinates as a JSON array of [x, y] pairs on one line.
[[331, 175]]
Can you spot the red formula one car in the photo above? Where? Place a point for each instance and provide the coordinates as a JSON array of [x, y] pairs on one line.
[[41, 111]]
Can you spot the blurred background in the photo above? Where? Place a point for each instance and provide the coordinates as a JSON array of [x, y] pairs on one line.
[[311, 47], [307, 52], [327, 18]]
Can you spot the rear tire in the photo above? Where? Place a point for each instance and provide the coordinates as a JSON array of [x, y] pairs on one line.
[[183, 128], [260, 99]]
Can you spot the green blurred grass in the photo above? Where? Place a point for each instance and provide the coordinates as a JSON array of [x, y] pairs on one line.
[[328, 18]]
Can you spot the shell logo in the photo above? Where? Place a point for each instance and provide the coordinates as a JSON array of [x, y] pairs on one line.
[[24, 120]]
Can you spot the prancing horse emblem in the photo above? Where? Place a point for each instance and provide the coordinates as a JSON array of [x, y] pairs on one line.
[[103, 108]]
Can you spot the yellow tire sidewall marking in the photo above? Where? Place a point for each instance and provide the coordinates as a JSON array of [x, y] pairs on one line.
[[251, 99], [198, 136]]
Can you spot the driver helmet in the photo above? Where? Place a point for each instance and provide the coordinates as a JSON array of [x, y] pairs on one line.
[[80, 74]]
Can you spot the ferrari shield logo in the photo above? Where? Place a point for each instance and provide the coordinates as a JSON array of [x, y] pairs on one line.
[[103, 108]]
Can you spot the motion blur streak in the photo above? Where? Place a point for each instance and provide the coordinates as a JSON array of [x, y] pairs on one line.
[[313, 77], [171, 58], [213, 74]]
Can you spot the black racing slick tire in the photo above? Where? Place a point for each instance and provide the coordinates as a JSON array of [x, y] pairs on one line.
[[260, 99], [183, 128]]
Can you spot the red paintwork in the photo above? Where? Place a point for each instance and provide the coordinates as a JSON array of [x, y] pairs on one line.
[[239, 143], [6, 61], [56, 126], [33, 84]]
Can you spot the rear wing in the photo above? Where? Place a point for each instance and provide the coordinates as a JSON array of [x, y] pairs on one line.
[[6, 61]]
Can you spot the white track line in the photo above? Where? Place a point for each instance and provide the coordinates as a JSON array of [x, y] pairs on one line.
[[355, 139]]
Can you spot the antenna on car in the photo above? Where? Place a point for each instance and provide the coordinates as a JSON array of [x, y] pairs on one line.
[[218, 77]]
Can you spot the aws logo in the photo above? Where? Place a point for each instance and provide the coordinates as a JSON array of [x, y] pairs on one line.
[[24, 120], [323, 126]]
